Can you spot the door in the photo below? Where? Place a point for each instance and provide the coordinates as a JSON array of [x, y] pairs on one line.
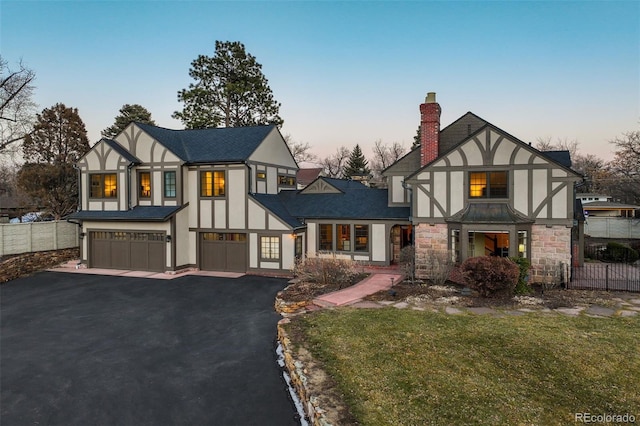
[[223, 251]]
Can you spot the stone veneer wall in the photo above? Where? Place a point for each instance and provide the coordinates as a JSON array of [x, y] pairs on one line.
[[429, 239], [550, 246]]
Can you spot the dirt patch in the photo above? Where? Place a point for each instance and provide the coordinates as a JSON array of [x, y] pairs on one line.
[[16, 266]]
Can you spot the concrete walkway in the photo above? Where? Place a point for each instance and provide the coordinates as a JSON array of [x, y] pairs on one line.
[[75, 267], [372, 284]]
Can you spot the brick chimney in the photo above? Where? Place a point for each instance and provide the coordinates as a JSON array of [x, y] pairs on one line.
[[430, 129]]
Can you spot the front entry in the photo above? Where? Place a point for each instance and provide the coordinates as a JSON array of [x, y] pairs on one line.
[[223, 251], [401, 237]]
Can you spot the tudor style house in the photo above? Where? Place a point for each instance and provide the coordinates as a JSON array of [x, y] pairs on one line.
[[476, 190], [227, 200]]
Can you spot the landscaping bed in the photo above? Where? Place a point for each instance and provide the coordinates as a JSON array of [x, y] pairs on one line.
[[15, 266]]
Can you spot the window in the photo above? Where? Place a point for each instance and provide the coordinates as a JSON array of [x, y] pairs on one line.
[[145, 184], [104, 185], [212, 184], [298, 247], [270, 248], [361, 233], [455, 245], [261, 175], [286, 180], [522, 243], [170, 184], [343, 237], [326, 237], [488, 185]]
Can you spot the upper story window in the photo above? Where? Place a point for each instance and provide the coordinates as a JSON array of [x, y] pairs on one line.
[[261, 175], [170, 184], [488, 185], [212, 183], [145, 184], [104, 185], [284, 180]]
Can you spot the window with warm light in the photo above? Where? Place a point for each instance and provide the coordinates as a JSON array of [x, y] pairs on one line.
[[343, 237], [488, 184], [286, 180], [326, 237], [212, 184], [270, 248], [145, 184], [103, 185], [361, 234]]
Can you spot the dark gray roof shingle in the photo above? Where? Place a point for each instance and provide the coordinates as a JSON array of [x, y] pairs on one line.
[[136, 214], [122, 151], [218, 145]]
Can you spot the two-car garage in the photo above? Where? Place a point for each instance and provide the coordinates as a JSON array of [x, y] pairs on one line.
[[143, 251]]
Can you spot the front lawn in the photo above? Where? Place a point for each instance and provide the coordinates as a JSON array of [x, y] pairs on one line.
[[404, 367]]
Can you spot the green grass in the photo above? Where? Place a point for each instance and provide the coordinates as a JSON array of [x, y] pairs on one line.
[[403, 367]]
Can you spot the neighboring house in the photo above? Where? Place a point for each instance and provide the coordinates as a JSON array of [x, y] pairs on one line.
[[587, 197], [305, 176], [226, 199], [609, 209], [476, 190]]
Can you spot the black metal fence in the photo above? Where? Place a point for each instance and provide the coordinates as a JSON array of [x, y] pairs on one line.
[[606, 276]]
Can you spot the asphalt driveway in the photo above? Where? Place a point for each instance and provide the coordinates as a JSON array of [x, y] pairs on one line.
[[96, 350]]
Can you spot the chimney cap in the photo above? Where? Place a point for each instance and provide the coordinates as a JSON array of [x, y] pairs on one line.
[[431, 98]]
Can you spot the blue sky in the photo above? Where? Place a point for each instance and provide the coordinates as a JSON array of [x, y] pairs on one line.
[[348, 72]]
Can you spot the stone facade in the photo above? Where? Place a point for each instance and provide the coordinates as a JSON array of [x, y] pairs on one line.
[[550, 250], [429, 239]]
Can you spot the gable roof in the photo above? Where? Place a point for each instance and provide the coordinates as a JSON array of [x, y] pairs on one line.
[[215, 145], [121, 150], [306, 176], [353, 201]]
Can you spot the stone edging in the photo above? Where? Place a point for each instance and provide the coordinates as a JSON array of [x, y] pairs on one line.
[[295, 368]]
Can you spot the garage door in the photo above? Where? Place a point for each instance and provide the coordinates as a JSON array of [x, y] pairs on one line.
[[223, 251], [138, 251]]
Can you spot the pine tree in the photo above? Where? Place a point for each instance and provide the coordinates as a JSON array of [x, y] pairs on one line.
[[128, 114], [229, 89], [356, 164], [416, 139]]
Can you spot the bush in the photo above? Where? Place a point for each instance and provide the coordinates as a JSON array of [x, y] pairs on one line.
[[616, 252], [327, 270], [438, 266], [408, 263], [490, 275], [522, 287]]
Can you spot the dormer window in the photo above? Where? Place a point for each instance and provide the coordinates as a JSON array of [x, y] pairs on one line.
[[488, 185], [104, 185], [212, 184], [284, 180]]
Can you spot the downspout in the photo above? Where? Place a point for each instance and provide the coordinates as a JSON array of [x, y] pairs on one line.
[[79, 207], [129, 167]]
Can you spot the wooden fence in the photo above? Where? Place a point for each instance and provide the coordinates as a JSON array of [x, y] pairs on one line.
[[16, 238]]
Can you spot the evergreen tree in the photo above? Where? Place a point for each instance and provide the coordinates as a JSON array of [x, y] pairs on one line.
[[229, 90], [416, 139], [58, 140], [128, 114], [357, 164]]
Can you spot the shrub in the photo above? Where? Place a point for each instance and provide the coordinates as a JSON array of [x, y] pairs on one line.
[[616, 252], [490, 275], [522, 286], [552, 273], [408, 263], [438, 266], [327, 270]]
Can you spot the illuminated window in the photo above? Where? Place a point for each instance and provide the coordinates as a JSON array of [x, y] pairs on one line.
[[212, 184], [326, 237], [270, 248], [343, 237], [361, 233], [145, 184], [286, 180], [103, 185], [261, 175], [488, 185]]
